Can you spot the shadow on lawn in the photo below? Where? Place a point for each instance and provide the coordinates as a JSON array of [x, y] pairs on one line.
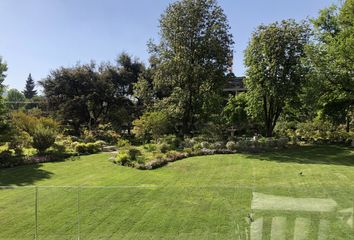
[[23, 175], [323, 154]]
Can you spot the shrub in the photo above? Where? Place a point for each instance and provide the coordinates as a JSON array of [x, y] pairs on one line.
[[205, 144], [213, 131], [88, 148], [100, 144], [5, 155], [188, 143], [43, 138], [231, 145], [164, 148], [129, 157], [19, 140], [282, 142], [151, 125], [93, 147], [134, 153], [29, 123], [159, 156], [121, 143], [150, 147], [59, 147], [7, 159], [197, 146], [245, 144], [80, 147], [189, 151], [122, 159], [171, 140], [103, 132], [217, 146], [88, 136]]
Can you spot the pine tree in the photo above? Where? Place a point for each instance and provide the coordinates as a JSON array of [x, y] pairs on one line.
[[29, 91]]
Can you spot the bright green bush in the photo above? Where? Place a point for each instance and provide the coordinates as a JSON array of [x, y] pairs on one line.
[[134, 153], [150, 147], [123, 159], [171, 140], [103, 132], [43, 138], [129, 157], [93, 147], [59, 147], [29, 123], [88, 148], [321, 131], [151, 125], [121, 143], [101, 143]]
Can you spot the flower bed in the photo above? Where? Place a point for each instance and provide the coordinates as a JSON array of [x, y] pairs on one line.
[[157, 163]]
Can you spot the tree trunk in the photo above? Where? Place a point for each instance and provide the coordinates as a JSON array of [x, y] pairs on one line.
[[347, 127]]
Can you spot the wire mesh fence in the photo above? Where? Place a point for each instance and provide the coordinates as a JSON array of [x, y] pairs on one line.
[[184, 212]]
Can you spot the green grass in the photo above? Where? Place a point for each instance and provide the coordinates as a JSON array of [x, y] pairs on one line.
[[206, 197]]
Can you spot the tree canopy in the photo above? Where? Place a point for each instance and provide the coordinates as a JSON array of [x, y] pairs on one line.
[[275, 72], [15, 99], [332, 61], [4, 125], [90, 94], [192, 60]]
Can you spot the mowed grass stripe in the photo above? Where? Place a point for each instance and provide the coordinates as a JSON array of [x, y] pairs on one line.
[[205, 197]]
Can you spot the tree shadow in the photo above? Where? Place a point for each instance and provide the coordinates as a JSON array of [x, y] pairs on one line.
[[23, 175], [321, 154]]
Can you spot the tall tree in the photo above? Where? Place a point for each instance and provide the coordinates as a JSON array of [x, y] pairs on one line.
[[275, 72], [29, 91], [87, 95], [192, 60], [4, 124], [331, 57], [15, 99]]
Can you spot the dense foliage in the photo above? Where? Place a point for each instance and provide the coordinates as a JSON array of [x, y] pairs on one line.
[[87, 95], [5, 127], [15, 99], [192, 60], [331, 57], [299, 88], [275, 72]]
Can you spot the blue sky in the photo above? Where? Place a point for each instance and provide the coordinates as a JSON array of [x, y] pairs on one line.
[[39, 35]]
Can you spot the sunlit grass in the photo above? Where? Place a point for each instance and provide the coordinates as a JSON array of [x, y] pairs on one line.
[[206, 197]]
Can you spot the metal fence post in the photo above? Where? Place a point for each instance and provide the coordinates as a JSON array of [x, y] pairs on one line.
[[36, 213], [78, 213]]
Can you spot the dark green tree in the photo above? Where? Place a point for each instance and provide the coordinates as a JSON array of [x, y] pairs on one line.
[[88, 95], [235, 112], [331, 58], [191, 61], [5, 128], [275, 72], [29, 91]]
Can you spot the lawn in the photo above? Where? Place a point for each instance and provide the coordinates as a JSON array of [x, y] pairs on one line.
[[303, 193]]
